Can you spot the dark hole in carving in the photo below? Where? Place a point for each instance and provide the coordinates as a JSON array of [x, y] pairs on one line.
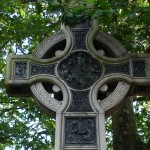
[[49, 88], [141, 90], [101, 46], [51, 52], [17, 90], [103, 94]]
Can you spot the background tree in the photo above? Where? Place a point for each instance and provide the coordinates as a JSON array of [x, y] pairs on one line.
[[24, 24]]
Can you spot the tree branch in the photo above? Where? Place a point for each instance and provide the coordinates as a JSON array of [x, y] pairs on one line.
[[9, 109], [147, 146], [3, 45]]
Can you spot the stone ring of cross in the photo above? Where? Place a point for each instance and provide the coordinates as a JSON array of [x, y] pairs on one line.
[[75, 77], [78, 75]]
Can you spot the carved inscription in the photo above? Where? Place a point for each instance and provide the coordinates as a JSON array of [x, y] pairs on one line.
[[20, 70], [36, 69], [80, 102], [80, 70], [80, 130]]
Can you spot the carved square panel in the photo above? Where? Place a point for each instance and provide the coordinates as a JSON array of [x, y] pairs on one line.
[[80, 130]]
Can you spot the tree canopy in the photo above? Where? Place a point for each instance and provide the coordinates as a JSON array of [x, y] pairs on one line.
[[24, 24]]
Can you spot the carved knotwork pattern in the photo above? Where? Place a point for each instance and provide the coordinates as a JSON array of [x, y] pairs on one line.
[[80, 102], [80, 130], [117, 68], [79, 38], [20, 70], [80, 70], [139, 69], [41, 69]]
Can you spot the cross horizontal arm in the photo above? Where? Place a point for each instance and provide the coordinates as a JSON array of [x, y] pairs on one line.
[[133, 67], [134, 70], [21, 70]]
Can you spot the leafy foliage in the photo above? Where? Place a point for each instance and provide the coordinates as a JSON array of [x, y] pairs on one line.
[[142, 113], [24, 25]]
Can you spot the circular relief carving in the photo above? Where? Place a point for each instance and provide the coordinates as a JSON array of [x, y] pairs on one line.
[[80, 70]]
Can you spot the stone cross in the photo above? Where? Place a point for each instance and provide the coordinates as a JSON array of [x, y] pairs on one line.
[[79, 66]]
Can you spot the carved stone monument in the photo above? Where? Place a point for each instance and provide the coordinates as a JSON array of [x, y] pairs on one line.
[[78, 65]]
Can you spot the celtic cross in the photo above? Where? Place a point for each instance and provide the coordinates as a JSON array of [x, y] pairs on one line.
[[78, 65]]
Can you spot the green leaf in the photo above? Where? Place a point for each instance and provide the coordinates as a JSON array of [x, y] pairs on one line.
[[22, 12]]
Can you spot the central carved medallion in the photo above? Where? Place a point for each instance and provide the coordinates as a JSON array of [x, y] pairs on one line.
[[80, 70]]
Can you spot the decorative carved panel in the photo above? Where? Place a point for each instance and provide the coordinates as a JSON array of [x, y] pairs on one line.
[[20, 69], [139, 69], [80, 130], [117, 68], [80, 70], [79, 38], [80, 102], [36, 69]]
